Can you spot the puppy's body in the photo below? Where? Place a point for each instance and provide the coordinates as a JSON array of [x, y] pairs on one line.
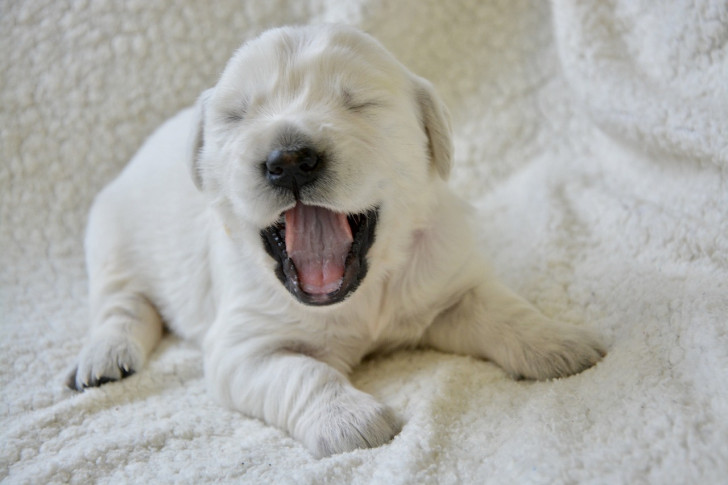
[[356, 135]]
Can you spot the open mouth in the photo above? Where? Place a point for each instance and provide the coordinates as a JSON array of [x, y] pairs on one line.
[[321, 254]]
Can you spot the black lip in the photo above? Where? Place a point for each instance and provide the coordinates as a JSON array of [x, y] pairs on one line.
[[363, 231]]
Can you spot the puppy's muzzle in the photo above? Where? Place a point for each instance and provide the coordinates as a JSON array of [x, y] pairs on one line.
[[292, 169], [321, 253]]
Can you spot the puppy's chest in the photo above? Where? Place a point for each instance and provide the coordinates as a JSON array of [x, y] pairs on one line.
[[384, 333], [346, 343]]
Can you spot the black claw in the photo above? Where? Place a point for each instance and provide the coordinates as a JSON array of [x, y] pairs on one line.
[[104, 380], [71, 381]]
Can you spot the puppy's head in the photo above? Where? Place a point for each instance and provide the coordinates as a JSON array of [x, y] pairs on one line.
[[324, 151]]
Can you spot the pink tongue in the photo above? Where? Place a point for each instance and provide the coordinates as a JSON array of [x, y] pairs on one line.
[[318, 241]]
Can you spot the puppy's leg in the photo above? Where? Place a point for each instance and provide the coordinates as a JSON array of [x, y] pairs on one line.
[[125, 329], [315, 403], [492, 322]]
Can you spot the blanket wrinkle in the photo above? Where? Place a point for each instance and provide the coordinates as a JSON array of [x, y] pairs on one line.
[[591, 139]]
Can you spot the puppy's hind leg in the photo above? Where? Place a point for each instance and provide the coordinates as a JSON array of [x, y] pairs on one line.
[[492, 322], [125, 329]]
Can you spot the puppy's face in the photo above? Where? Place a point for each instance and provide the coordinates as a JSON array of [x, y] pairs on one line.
[[321, 149]]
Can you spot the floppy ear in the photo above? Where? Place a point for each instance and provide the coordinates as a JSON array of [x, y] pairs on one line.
[[436, 123], [197, 137]]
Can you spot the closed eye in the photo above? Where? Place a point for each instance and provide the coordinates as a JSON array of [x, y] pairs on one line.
[[356, 105], [359, 107], [237, 113], [234, 117]]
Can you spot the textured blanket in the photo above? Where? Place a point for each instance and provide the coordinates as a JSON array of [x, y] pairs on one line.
[[590, 136]]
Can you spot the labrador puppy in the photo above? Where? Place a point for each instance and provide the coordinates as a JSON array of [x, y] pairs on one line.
[[305, 224]]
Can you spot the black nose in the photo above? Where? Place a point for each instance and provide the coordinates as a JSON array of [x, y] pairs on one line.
[[292, 169]]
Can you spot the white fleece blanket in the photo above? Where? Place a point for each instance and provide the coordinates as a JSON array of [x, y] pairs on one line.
[[591, 136]]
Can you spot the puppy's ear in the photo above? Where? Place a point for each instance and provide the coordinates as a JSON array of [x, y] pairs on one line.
[[197, 137], [436, 123]]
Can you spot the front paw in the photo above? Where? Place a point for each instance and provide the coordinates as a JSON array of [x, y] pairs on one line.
[[105, 358], [555, 350], [351, 420]]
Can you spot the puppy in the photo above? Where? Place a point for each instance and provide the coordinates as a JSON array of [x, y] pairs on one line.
[[306, 224]]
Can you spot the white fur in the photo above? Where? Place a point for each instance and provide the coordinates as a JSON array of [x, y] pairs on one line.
[[167, 246]]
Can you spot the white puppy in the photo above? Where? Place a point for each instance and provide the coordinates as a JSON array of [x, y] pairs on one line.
[[308, 225]]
